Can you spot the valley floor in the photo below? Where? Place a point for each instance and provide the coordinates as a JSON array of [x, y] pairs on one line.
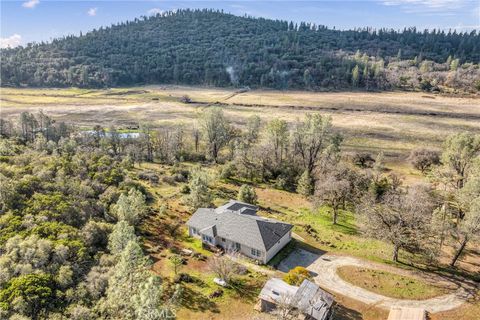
[[392, 122]]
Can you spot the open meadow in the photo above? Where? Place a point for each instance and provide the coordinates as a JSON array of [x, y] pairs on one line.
[[393, 122]]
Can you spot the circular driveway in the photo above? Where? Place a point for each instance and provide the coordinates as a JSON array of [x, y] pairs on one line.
[[324, 268]]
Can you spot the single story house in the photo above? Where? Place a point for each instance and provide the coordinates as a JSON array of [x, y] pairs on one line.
[[236, 226], [309, 300]]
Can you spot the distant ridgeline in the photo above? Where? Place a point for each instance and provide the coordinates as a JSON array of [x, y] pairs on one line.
[[206, 47]]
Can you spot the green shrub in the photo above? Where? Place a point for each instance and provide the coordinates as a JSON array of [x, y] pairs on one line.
[[296, 276], [34, 291]]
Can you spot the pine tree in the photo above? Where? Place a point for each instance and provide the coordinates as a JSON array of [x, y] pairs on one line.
[[305, 184], [120, 236], [454, 64], [126, 281], [355, 76], [247, 194], [130, 207], [449, 61], [200, 195], [149, 301]]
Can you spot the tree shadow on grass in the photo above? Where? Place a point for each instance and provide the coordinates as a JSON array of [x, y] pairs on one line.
[[197, 301], [244, 289], [226, 193], [198, 282], [345, 228], [309, 247], [344, 313], [469, 282]]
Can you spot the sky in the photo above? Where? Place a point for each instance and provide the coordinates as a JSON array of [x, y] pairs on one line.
[[28, 21]]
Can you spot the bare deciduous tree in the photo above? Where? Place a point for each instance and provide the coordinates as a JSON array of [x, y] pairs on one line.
[[286, 308], [224, 267], [334, 187], [311, 137], [277, 139], [216, 130], [423, 159], [402, 217]]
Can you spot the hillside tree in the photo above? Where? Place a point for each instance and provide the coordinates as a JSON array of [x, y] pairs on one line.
[[216, 129], [130, 207], [402, 218]]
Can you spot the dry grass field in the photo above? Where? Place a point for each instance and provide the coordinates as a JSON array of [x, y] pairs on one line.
[[394, 122]]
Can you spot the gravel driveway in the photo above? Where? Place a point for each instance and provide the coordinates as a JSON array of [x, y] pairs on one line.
[[324, 268]]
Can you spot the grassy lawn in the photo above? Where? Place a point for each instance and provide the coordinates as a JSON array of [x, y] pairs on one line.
[[315, 227], [390, 284]]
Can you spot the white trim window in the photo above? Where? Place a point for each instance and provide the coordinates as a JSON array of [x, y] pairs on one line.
[[237, 246], [207, 238], [256, 253]]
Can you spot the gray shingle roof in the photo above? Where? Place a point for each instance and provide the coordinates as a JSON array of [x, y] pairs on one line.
[[240, 225], [210, 231], [314, 301], [309, 298]]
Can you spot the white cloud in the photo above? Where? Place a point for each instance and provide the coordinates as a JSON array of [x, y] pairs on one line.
[[92, 12], [155, 11], [425, 5], [11, 41], [30, 4], [466, 28]]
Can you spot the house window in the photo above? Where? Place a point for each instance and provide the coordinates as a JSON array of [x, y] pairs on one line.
[[237, 246], [194, 231], [256, 253], [207, 239], [223, 239]]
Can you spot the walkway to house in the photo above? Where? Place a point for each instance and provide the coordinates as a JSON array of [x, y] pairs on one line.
[[324, 267]]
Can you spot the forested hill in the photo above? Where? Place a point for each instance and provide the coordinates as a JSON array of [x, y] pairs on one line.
[[213, 48]]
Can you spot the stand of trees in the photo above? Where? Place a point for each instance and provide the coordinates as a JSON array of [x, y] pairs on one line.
[[68, 247], [207, 47]]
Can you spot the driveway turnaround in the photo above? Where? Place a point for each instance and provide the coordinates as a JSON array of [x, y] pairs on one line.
[[324, 268]]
